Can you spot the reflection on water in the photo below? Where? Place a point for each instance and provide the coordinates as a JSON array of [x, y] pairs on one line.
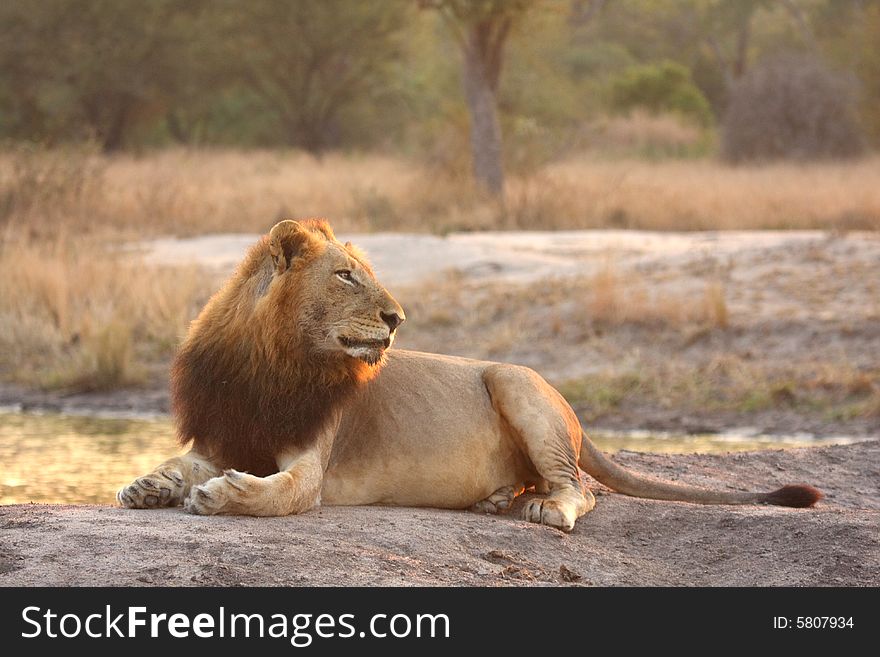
[[74, 459], [58, 458]]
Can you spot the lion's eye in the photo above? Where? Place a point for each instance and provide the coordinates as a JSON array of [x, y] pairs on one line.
[[345, 276]]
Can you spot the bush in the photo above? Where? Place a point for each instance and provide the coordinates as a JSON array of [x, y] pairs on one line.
[[791, 107], [665, 87]]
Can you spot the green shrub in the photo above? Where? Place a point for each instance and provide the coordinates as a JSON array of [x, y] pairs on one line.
[[663, 87]]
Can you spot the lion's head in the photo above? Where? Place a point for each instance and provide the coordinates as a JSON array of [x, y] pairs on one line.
[[293, 333], [328, 292]]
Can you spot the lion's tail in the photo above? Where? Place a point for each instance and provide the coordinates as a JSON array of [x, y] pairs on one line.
[[606, 471]]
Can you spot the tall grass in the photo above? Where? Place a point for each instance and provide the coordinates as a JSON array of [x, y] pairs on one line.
[[86, 315], [52, 184], [195, 191], [707, 195]]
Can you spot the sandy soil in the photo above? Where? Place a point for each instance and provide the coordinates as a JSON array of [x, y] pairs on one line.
[[624, 541], [402, 259]]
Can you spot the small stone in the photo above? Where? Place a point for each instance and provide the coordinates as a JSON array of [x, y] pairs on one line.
[[568, 575]]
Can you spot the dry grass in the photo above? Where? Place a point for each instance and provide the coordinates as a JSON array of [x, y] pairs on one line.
[[88, 316], [715, 305], [493, 321], [197, 191], [643, 134], [728, 383], [50, 183], [187, 192], [614, 299], [706, 195]]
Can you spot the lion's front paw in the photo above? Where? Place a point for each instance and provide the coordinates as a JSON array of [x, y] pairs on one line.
[[232, 492], [164, 487]]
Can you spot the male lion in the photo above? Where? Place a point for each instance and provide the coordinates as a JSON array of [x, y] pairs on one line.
[[287, 392]]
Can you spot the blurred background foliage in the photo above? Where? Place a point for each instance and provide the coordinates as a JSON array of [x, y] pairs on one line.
[[349, 75]]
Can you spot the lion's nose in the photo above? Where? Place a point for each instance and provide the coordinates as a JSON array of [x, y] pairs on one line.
[[392, 319]]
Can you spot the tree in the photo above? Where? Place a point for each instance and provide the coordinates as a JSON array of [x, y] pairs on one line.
[[310, 59], [847, 32], [481, 29], [725, 17], [792, 106], [97, 67]]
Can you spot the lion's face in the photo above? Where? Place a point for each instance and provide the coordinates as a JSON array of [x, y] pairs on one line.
[[348, 309], [341, 306]]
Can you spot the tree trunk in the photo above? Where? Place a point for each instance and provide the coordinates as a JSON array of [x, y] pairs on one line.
[[112, 134], [306, 133], [175, 128], [479, 91], [742, 48]]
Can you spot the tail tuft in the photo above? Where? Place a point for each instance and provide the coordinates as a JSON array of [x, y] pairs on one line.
[[796, 495]]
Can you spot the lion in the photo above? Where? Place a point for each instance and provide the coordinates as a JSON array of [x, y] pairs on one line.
[[291, 398]]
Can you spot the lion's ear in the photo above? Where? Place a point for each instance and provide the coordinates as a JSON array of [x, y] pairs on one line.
[[287, 240]]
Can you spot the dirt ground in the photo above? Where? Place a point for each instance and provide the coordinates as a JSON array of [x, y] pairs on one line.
[[623, 542]]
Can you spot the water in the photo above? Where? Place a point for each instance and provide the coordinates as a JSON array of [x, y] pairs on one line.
[[85, 460], [74, 459]]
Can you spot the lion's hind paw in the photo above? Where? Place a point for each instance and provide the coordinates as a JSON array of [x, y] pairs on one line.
[[499, 501], [551, 512]]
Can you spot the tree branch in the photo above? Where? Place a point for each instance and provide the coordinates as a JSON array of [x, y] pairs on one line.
[[712, 42], [801, 21], [584, 11]]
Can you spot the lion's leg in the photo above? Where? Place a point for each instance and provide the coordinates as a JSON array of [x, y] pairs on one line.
[[549, 433], [169, 483], [294, 489], [561, 508], [498, 501]]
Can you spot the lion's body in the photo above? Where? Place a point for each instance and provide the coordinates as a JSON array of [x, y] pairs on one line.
[[423, 433], [285, 374]]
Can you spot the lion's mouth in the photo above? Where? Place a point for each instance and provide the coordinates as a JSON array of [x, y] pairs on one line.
[[351, 343]]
